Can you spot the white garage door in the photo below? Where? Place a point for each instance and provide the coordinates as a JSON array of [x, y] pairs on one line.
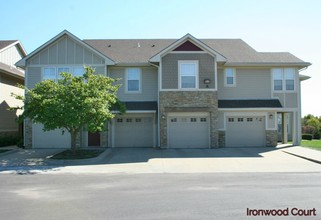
[[49, 139], [245, 132], [134, 130], [188, 130]]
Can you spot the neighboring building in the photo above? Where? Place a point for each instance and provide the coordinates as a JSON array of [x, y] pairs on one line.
[[180, 93], [11, 51]]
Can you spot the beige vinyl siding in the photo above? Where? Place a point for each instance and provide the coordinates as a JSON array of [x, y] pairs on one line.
[[8, 117], [149, 85], [65, 51], [99, 69], [170, 69], [271, 121], [288, 100], [250, 84], [11, 55], [33, 75]]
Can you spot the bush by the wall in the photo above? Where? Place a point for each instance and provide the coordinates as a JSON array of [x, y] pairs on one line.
[[307, 137], [8, 140]]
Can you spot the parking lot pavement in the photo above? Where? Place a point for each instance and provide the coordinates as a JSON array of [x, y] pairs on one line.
[[155, 160]]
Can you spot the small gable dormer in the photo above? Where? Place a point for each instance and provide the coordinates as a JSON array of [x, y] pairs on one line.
[[188, 64], [187, 46]]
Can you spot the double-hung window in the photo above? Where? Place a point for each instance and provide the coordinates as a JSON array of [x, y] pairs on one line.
[[289, 79], [78, 71], [283, 79], [62, 70], [188, 74], [229, 77], [278, 79], [133, 82], [49, 73]]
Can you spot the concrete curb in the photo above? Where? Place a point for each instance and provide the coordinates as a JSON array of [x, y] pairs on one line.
[[306, 158], [79, 161]]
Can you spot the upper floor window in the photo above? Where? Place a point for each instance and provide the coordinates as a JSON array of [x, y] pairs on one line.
[[133, 81], [283, 79], [188, 74], [229, 77], [49, 73], [62, 70], [78, 71], [289, 78], [53, 73]]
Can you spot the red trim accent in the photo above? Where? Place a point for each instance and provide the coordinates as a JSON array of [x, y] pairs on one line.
[[187, 46]]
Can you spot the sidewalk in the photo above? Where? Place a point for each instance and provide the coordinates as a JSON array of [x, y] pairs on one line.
[[305, 153]]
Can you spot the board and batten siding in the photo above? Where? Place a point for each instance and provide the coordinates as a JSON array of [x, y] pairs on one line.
[[149, 84], [11, 55], [170, 73], [65, 51], [288, 100], [250, 84], [33, 76]]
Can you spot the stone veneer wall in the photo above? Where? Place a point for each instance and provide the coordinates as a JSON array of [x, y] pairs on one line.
[[271, 138], [28, 133], [189, 101], [221, 138]]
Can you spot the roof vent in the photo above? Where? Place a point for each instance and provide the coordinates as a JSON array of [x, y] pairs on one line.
[[153, 45], [109, 45], [138, 44]]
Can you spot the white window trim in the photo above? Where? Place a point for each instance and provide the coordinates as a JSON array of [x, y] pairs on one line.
[[140, 80], [57, 74], [234, 78], [284, 90], [196, 76], [71, 68]]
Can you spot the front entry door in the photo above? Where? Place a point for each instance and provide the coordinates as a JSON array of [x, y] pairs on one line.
[[94, 139]]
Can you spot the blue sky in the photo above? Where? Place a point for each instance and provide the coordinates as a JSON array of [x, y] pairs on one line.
[[272, 25]]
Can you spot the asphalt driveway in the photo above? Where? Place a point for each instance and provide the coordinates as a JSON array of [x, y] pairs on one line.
[[154, 160]]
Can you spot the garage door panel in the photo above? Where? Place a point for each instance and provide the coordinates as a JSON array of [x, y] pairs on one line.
[[188, 131], [245, 132], [50, 139], [134, 131]]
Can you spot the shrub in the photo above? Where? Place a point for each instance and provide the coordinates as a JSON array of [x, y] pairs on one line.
[[307, 137], [317, 135], [308, 129], [8, 140]]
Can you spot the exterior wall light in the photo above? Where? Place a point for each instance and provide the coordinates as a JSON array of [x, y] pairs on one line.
[[163, 116], [207, 81], [271, 116]]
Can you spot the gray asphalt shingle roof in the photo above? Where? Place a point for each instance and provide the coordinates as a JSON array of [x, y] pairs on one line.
[[141, 50], [11, 70], [5, 43], [250, 103]]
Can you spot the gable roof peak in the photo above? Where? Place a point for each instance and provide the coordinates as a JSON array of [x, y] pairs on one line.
[[197, 42], [22, 63]]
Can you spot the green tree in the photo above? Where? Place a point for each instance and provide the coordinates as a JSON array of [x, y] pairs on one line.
[[309, 121], [72, 103]]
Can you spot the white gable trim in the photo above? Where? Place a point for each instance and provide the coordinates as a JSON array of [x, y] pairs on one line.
[[22, 62], [188, 37]]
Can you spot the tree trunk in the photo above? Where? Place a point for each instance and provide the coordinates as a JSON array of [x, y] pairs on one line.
[[73, 135]]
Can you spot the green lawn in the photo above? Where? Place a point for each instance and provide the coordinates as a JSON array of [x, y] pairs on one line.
[[78, 154], [315, 144]]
